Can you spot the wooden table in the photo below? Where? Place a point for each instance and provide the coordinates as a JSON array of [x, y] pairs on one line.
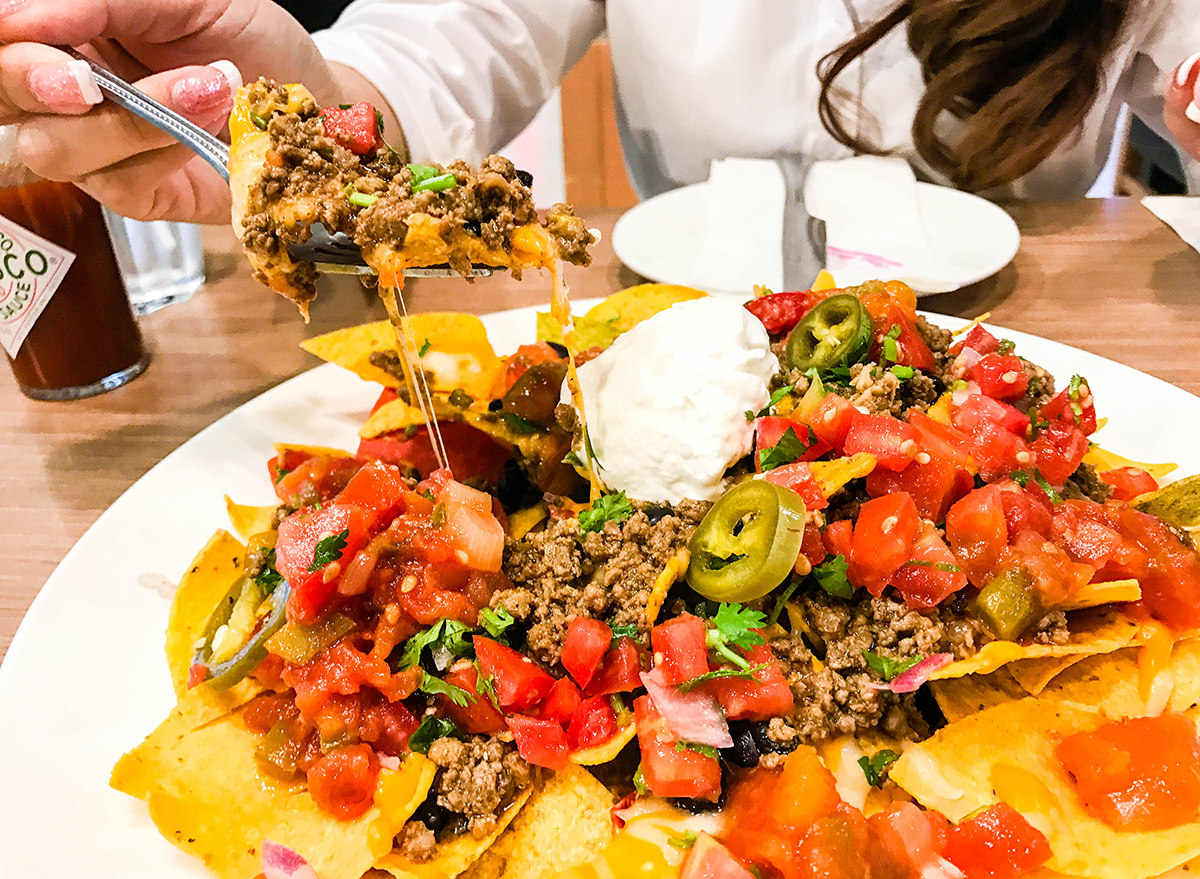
[[1105, 276]]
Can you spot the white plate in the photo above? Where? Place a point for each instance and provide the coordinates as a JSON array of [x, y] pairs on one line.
[[85, 679], [661, 238]]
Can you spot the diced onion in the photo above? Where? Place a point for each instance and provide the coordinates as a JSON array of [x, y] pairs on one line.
[[357, 574], [911, 680], [479, 535], [280, 862], [693, 717]]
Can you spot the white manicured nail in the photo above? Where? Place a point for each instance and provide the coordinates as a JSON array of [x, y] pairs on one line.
[[88, 86], [1185, 70], [229, 69], [1192, 112]]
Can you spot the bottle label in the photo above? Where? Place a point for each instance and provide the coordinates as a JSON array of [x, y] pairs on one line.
[[31, 269]]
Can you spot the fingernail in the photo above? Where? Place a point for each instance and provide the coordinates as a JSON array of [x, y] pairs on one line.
[[208, 88], [65, 86], [1192, 112], [8, 7], [1185, 70]]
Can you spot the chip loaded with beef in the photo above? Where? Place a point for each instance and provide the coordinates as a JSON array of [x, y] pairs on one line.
[[861, 598]]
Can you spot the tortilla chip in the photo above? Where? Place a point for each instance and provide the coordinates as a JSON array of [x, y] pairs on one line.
[[588, 333], [1034, 674], [454, 856], [205, 796], [832, 475], [970, 694], [247, 520], [675, 568], [398, 415], [1103, 460], [1094, 630], [1094, 594], [458, 355], [1176, 504], [628, 308], [523, 521], [606, 752], [565, 823], [1007, 753]]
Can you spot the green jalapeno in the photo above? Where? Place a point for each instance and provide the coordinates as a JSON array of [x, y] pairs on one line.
[[234, 643], [277, 753], [298, 644], [1008, 603], [836, 332], [747, 543]]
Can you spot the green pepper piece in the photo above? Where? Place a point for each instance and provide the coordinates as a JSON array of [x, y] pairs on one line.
[[224, 673], [747, 543], [299, 644], [837, 332], [278, 753], [1008, 603], [436, 184]]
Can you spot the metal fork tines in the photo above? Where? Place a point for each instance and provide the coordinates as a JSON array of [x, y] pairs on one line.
[[331, 253]]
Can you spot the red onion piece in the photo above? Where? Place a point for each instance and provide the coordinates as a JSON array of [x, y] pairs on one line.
[[910, 680], [693, 717], [280, 862]]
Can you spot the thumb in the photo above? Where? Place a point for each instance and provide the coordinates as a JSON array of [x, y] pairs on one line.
[[1181, 109]]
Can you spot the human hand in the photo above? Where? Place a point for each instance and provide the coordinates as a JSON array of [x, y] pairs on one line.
[[167, 48], [1181, 107]]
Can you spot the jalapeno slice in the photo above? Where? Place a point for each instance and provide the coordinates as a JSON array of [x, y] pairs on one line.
[[836, 332], [747, 543], [228, 664], [1008, 603]]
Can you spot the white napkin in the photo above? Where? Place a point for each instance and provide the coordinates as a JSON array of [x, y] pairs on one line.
[[873, 224], [743, 232], [1179, 212]]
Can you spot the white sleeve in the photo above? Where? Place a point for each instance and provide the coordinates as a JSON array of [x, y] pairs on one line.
[[463, 76]]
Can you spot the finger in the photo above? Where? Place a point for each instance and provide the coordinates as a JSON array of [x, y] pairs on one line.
[[63, 147], [168, 184], [1181, 107]]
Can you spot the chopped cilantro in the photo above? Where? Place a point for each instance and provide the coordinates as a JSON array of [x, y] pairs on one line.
[[613, 507], [786, 450], [735, 626], [431, 729], [706, 750], [831, 576], [1075, 386], [329, 549], [424, 349], [904, 373], [1020, 477], [438, 687], [619, 632], [889, 668], [445, 634], [517, 424], [485, 685], [723, 672], [279, 476], [774, 401], [873, 767], [1054, 496], [379, 122], [268, 577], [422, 172], [782, 601], [685, 840], [1006, 347], [574, 460], [495, 620], [639, 781]]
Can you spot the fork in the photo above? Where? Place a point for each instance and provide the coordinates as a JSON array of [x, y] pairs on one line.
[[330, 252]]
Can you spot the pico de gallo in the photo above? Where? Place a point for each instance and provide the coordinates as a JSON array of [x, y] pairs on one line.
[[908, 498]]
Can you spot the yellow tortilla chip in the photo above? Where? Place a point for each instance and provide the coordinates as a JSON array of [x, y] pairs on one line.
[[1007, 753], [523, 521], [315, 451], [205, 796], [970, 694], [824, 281], [1094, 630], [454, 856], [1177, 504], [566, 822], [1102, 460], [588, 333], [247, 520], [397, 415], [1094, 594], [607, 751], [832, 475], [671, 572], [458, 355], [628, 308], [399, 794], [1034, 674]]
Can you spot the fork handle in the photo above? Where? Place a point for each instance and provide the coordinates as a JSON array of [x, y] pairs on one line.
[[207, 146]]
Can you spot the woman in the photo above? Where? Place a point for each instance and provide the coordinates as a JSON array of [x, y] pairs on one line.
[[1005, 96]]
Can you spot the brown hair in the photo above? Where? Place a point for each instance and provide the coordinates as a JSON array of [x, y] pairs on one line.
[[1021, 74]]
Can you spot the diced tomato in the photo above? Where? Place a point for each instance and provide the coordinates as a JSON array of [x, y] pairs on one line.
[[812, 547], [1090, 532], [520, 683], [669, 771], [521, 360], [1059, 449], [978, 340], [904, 840], [932, 574], [798, 477], [779, 312], [1138, 775], [997, 843], [762, 697], [385, 396], [479, 716], [619, 670], [1055, 575], [387, 725], [376, 487], [342, 782], [197, 672], [978, 410], [977, 533], [540, 742], [835, 845], [355, 127], [839, 538], [933, 485], [893, 442], [285, 462], [299, 535], [592, 724], [560, 703], [769, 429], [708, 859], [1026, 509], [941, 440], [680, 650], [1078, 408], [831, 422], [586, 643], [883, 540], [1171, 587], [1129, 482], [1000, 376], [315, 477], [472, 454], [911, 348]]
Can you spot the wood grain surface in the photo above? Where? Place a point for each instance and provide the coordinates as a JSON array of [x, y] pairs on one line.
[[1105, 276]]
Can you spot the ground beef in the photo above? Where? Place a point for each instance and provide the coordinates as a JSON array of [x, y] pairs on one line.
[[571, 235], [559, 574], [1041, 386], [1085, 482], [478, 778], [939, 341], [416, 842]]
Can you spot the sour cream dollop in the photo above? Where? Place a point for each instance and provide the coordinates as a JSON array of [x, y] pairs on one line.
[[666, 404]]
